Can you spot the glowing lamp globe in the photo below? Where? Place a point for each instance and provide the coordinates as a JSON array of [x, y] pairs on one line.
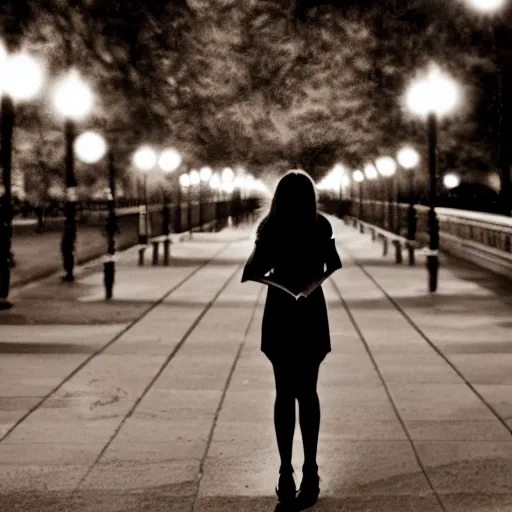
[[358, 176], [195, 179], [487, 5], [338, 171], [435, 94], [145, 158], [451, 181], [21, 76], [227, 174], [408, 158], [205, 173], [228, 187], [169, 160], [370, 172], [386, 166], [73, 98], [215, 183], [90, 147], [185, 180]]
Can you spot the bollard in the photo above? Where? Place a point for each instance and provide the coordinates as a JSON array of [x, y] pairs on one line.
[[141, 256], [385, 247], [398, 252], [155, 252], [167, 244], [410, 247], [361, 227], [109, 268], [374, 234]]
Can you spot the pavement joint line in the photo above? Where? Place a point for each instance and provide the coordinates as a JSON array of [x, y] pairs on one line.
[[159, 372], [112, 341], [388, 393], [222, 398], [432, 344]]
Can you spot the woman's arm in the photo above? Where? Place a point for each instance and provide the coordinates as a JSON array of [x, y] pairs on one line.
[[258, 264], [260, 261], [332, 263]]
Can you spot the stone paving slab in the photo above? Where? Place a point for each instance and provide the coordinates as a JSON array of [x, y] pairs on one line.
[[464, 448], [202, 438]]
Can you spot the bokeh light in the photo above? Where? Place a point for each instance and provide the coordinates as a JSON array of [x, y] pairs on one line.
[[73, 98], [435, 94], [408, 157], [451, 180], [145, 158], [185, 180], [358, 176], [90, 147], [21, 75], [386, 166], [170, 160]]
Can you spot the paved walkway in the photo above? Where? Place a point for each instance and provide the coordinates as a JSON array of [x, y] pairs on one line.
[[161, 399]]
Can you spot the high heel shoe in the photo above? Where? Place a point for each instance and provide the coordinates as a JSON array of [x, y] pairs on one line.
[[308, 491], [286, 491]]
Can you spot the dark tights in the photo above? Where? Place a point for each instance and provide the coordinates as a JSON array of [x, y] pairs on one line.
[[297, 381]]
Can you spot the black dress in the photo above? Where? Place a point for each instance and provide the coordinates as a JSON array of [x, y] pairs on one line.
[[293, 330]]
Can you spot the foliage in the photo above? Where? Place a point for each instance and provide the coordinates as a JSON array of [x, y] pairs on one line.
[[269, 84]]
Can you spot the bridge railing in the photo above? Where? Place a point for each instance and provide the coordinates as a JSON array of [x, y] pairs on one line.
[[484, 238]]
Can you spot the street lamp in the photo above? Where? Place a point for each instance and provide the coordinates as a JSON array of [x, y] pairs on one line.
[[90, 148], [451, 180], [205, 174], [73, 99], [144, 159], [337, 173], [432, 97], [358, 177], [487, 5], [499, 28], [409, 159], [168, 162], [21, 78], [371, 175], [386, 166]]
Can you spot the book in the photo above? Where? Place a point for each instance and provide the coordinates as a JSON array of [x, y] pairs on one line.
[[269, 281]]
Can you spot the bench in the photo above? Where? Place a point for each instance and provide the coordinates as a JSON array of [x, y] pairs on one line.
[[398, 241], [155, 242]]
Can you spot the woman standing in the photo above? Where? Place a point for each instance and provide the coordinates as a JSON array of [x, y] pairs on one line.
[[295, 243]]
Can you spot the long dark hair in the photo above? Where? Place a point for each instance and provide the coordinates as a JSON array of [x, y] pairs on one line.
[[293, 209]]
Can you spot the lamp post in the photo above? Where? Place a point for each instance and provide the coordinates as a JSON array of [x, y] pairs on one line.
[[215, 185], [195, 181], [90, 148], [432, 97], [205, 173], [185, 184], [73, 100], [144, 159], [409, 159], [21, 78], [358, 177], [168, 162], [386, 166], [498, 26], [371, 174], [227, 176]]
